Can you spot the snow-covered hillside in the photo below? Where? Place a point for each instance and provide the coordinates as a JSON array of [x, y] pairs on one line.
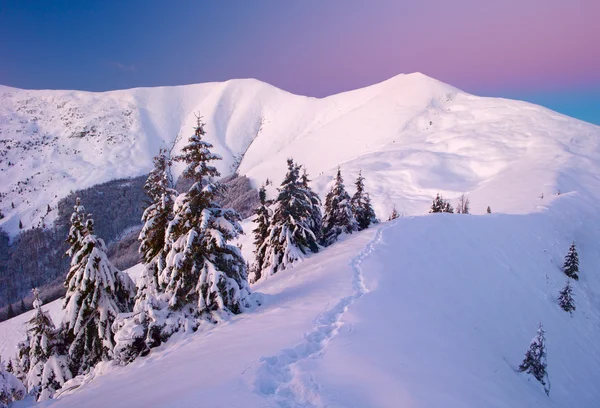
[[428, 311], [424, 311], [413, 136]]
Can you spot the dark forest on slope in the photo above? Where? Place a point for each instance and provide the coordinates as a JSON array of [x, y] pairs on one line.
[[35, 258]]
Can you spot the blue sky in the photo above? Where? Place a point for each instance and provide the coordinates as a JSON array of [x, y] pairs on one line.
[[543, 51]]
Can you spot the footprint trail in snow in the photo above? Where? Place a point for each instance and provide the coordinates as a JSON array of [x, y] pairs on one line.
[[280, 376]]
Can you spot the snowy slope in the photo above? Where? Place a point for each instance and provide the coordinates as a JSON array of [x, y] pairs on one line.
[[428, 311], [413, 136]]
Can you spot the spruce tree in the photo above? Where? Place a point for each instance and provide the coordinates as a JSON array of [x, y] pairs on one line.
[[22, 307], [338, 218], [22, 364], [11, 388], [47, 355], [262, 221], [316, 218], [361, 205], [76, 231], [290, 233], [535, 358], [141, 330], [571, 265], [565, 298], [204, 274], [159, 187], [448, 207], [489, 210], [96, 293], [438, 205]]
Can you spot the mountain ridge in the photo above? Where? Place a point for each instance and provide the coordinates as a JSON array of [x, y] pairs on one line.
[[58, 141]]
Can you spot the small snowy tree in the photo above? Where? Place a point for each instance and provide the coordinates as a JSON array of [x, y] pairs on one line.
[[204, 274], [438, 205], [338, 218], [291, 234], [48, 362], [489, 210], [96, 293], [463, 205], [42, 338], [11, 388], [262, 221], [565, 298], [394, 214], [361, 205], [571, 265], [535, 358], [448, 207]]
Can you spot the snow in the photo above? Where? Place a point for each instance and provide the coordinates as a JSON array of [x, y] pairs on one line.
[[411, 135], [428, 310]]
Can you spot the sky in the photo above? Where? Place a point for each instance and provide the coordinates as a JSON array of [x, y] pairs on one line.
[[542, 51]]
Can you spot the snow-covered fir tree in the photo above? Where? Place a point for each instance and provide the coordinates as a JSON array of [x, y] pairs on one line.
[[77, 229], [156, 217], [141, 330], [22, 364], [290, 234], [338, 218], [448, 207], [47, 355], [361, 205], [316, 218], [262, 220], [488, 210], [96, 293], [11, 388], [440, 205], [535, 358], [571, 265], [204, 274], [565, 298]]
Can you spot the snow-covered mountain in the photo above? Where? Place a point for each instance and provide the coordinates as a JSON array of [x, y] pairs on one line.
[[424, 311], [411, 135]]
